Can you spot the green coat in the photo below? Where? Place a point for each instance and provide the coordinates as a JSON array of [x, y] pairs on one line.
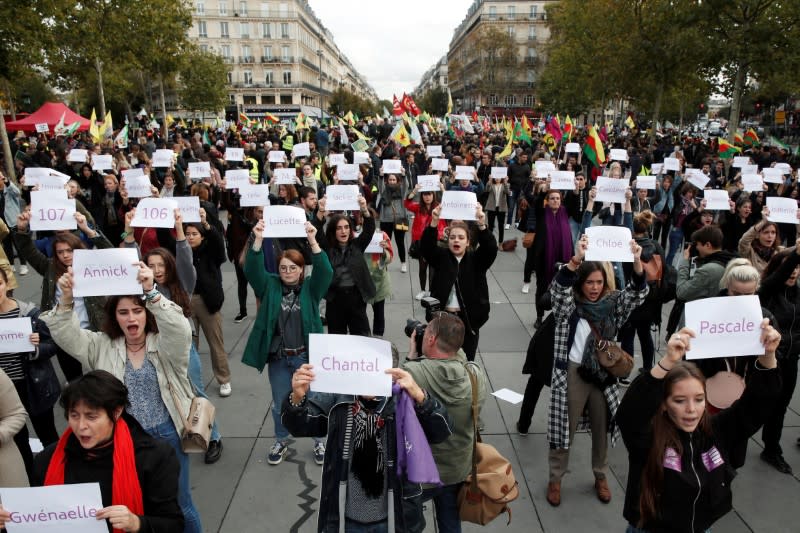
[[267, 287]]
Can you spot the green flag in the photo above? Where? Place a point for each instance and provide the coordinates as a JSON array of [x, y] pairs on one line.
[[206, 140]]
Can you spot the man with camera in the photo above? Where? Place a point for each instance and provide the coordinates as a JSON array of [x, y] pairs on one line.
[[439, 366], [704, 281]]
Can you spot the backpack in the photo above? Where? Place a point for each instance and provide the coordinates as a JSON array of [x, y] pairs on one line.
[[661, 278]]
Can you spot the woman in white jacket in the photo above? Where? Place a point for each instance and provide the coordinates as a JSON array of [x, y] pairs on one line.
[[145, 344]]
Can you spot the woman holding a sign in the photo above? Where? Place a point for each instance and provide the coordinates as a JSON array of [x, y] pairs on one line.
[[760, 243], [586, 312], [422, 218], [679, 466], [394, 219]]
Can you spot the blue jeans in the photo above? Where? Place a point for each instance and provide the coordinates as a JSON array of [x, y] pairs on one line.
[[512, 203], [280, 373], [167, 433], [351, 526], [445, 501], [575, 229], [675, 241], [196, 377]]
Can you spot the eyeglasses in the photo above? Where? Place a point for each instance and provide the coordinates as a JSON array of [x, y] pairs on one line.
[[289, 268]]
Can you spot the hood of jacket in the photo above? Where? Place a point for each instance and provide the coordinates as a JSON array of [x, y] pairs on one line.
[[722, 257], [448, 379]]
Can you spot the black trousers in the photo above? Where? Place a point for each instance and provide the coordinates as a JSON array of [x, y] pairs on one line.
[[347, 312], [399, 238], [773, 425], [532, 391], [241, 287], [44, 425], [70, 366], [498, 216]]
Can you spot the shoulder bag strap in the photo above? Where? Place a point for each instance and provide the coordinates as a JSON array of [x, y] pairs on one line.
[[475, 436], [174, 397]]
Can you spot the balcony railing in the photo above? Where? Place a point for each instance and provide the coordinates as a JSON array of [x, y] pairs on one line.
[[247, 59]]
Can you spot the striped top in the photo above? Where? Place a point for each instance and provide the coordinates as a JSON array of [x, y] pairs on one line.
[[11, 363]]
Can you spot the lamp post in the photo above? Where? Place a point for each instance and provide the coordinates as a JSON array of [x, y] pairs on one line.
[[321, 116]]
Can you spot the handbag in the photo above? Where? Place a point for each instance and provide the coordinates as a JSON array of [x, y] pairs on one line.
[[509, 245], [614, 360], [724, 387], [527, 240], [196, 432], [402, 224], [413, 250], [491, 485]]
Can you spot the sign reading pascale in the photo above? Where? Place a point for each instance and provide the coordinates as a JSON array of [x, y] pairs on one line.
[[350, 364], [284, 221], [609, 243], [726, 326]]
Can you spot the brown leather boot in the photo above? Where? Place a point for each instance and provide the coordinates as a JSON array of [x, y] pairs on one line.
[[554, 494], [603, 492]]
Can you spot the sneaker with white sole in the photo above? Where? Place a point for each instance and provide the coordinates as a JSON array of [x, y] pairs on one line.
[[526, 288], [403, 267], [421, 294], [277, 452], [23, 270], [225, 390], [508, 226], [319, 453]]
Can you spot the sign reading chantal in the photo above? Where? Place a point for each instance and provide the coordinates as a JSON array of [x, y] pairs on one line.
[[348, 364]]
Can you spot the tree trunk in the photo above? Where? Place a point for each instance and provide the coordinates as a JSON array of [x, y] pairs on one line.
[[11, 107], [736, 101], [656, 110], [128, 111], [7, 155], [163, 105], [101, 97], [680, 117]]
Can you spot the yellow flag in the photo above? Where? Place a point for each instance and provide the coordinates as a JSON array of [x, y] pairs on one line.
[[630, 123], [508, 149], [94, 131], [401, 135], [107, 129]]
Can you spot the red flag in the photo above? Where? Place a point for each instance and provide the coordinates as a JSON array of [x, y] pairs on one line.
[[474, 116], [409, 105], [397, 108]]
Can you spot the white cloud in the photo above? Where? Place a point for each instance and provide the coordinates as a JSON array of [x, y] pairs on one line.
[[392, 44]]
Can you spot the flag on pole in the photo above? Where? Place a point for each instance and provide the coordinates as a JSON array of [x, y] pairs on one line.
[[773, 141], [630, 123], [410, 105], [94, 131], [508, 150], [350, 119], [400, 134], [121, 140], [206, 139], [385, 112], [449, 102], [72, 128], [726, 149], [343, 138], [414, 130], [107, 129], [554, 128], [569, 128], [593, 148], [737, 138], [60, 127], [397, 107], [751, 138], [244, 119]]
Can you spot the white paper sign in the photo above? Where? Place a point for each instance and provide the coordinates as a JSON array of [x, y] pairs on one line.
[[458, 205], [77, 156], [655, 168], [392, 166], [619, 154], [52, 210], [347, 172], [429, 182], [341, 197], [254, 195], [785, 167], [750, 169], [543, 168], [609, 243], [499, 173], [611, 190], [201, 169], [772, 175], [374, 246], [699, 180], [54, 509], [106, 272], [284, 221], [46, 178], [349, 364], [360, 158], [301, 150], [285, 176], [740, 161], [277, 156], [508, 395], [672, 163], [440, 165], [726, 326], [237, 178], [102, 162], [42, 128], [162, 158], [464, 169], [645, 182], [234, 154], [573, 148], [780, 210], [336, 160], [753, 182], [716, 200], [155, 213], [132, 172], [15, 335], [138, 186], [189, 206], [434, 150], [563, 180]]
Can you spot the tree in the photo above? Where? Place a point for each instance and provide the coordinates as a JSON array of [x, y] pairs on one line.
[[341, 101], [433, 101], [202, 81], [496, 53]]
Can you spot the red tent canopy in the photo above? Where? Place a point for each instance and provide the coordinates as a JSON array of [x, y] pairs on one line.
[[50, 113]]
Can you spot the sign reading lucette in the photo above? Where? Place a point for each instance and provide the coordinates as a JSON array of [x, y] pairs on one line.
[[349, 364], [284, 221]]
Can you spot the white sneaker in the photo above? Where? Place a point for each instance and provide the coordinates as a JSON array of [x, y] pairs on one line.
[[526, 288], [225, 390], [508, 226], [13, 268], [420, 295], [403, 267], [23, 270]]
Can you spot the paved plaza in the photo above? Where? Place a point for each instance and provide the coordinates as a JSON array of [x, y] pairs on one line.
[[242, 493]]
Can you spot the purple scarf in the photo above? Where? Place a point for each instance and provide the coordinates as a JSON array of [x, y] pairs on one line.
[[414, 457], [558, 246]]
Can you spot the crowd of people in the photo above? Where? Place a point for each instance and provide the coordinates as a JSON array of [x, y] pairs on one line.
[[133, 367]]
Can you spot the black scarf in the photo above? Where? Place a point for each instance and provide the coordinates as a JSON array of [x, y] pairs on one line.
[[367, 463]]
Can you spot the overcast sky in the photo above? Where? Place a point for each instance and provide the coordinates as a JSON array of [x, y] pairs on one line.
[[392, 43]]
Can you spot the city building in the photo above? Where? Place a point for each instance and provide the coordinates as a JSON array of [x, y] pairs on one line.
[[474, 85], [434, 77], [280, 56]]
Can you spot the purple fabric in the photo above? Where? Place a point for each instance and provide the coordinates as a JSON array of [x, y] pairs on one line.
[[558, 246], [414, 457]]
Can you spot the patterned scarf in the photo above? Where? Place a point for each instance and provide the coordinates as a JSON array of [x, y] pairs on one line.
[[368, 453]]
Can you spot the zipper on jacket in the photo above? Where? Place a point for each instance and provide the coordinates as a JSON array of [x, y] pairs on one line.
[[699, 486]]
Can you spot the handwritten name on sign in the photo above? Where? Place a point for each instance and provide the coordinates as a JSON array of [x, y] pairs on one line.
[[106, 272], [440, 165], [563, 180], [611, 190], [15, 335], [284, 221], [458, 205], [341, 197], [726, 326], [301, 150], [138, 186], [236, 178], [392, 166], [499, 173], [56, 508], [349, 364], [716, 200], [162, 158], [772, 175], [609, 243], [254, 195], [434, 150], [782, 210], [336, 160], [189, 206]]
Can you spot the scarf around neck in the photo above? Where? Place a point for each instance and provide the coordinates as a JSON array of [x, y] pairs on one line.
[[558, 244], [600, 315]]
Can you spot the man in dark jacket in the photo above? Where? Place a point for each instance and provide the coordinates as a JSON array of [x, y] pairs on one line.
[[518, 174]]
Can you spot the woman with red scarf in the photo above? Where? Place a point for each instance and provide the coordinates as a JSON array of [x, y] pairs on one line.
[[138, 475]]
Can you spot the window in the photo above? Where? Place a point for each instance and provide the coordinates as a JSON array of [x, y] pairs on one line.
[[531, 77], [264, 9], [243, 9], [531, 54], [511, 100], [527, 100], [286, 98], [284, 30], [246, 52], [244, 30], [268, 79], [512, 12], [492, 99], [267, 53], [532, 33], [287, 77], [200, 8], [511, 30], [266, 30], [201, 28], [204, 48], [249, 99], [534, 8], [247, 77], [267, 98], [223, 7], [225, 50], [285, 54], [230, 77], [223, 30], [283, 10], [492, 12], [232, 99]]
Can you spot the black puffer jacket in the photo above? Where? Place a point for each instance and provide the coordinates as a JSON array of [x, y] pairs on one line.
[[208, 258], [782, 301]]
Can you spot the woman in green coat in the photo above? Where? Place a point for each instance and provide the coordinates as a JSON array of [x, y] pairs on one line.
[[289, 311]]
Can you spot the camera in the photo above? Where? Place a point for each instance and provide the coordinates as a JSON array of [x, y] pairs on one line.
[[431, 305]]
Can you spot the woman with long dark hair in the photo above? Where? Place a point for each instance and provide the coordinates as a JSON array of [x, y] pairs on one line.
[[679, 472], [760, 243], [422, 218]]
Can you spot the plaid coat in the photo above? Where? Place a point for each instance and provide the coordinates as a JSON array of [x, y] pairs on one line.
[[565, 311]]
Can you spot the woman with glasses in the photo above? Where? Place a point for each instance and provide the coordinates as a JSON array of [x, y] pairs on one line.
[[289, 311]]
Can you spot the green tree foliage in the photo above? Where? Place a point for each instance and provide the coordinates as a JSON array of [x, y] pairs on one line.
[[202, 81], [433, 101], [341, 101]]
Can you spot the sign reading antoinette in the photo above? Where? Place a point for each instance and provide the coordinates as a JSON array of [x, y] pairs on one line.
[[726, 326], [348, 364], [54, 509]]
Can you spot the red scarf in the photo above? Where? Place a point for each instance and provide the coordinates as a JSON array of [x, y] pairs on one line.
[[125, 488]]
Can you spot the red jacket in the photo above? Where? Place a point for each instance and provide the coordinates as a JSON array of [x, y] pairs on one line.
[[421, 221]]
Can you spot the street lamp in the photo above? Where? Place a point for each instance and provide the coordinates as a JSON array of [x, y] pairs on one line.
[[321, 116]]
